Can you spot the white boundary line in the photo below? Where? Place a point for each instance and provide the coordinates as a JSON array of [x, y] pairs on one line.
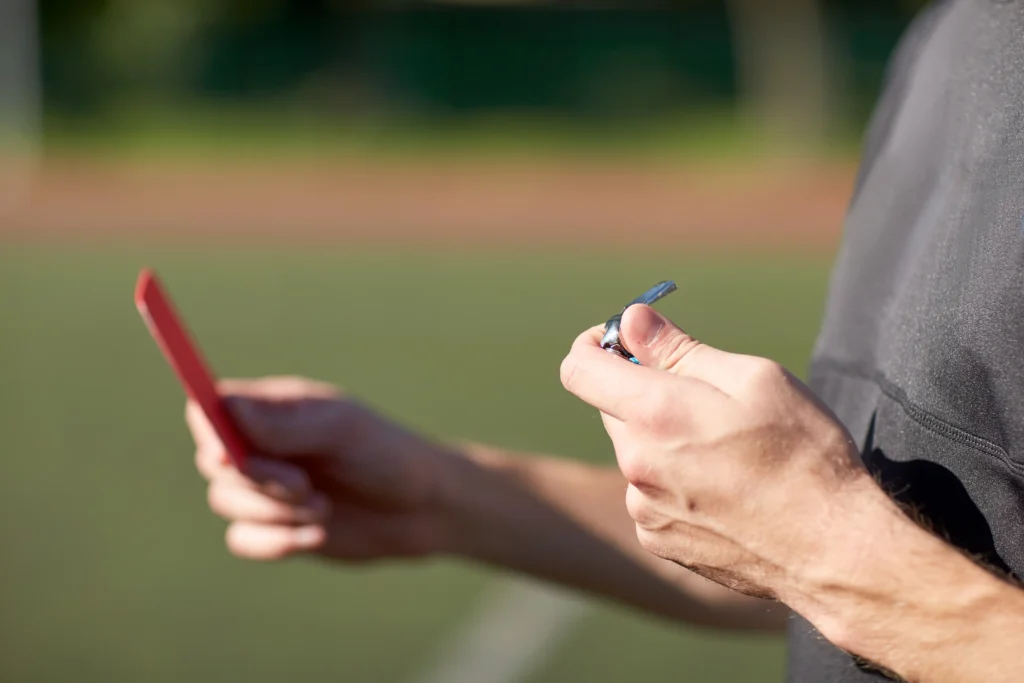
[[515, 628]]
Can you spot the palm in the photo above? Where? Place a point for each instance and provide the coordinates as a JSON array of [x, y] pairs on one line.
[[328, 475]]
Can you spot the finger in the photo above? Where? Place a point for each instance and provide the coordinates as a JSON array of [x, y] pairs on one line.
[[276, 477], [592, 335], [280, 480], [636, 504], [206, 439], [616, 428], [273, 542], [240, 503], [659, 343], [606, 381], [277, 388]]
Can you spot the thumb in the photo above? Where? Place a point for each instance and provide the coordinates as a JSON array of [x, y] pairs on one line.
[[301, 427], [657, 342]]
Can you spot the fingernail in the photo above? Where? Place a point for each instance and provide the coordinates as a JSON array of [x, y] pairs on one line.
[[651, 323]]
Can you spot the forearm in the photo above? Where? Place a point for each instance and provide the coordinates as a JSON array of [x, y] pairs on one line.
[[566, 522], [898, 596]]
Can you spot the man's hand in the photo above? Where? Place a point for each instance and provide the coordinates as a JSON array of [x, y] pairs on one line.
[[334, 479], [734, 470], [737, 472], [331, 477]]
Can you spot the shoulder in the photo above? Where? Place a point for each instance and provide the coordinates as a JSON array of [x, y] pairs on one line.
[[898, 74]]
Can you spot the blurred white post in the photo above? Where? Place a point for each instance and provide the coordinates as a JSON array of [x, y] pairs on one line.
[[20, 100], [782, 60]]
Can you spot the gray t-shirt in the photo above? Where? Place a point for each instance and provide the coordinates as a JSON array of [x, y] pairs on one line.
[[921, 353]]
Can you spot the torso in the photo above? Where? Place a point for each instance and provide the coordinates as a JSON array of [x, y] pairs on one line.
[[921, 353]]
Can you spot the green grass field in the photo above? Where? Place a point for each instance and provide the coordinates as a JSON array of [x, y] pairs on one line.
[[114, 571], [712, 136]]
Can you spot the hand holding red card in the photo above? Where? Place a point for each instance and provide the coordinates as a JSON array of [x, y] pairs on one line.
[[183, 356]]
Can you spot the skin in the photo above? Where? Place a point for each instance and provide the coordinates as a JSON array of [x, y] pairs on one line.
[[739, 497], [373, 491]]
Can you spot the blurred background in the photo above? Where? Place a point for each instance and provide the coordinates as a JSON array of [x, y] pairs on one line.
[[327, 187]]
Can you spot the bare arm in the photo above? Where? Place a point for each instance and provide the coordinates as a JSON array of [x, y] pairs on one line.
[[736, 469], [375, 491], [566, 522], [898, 596]]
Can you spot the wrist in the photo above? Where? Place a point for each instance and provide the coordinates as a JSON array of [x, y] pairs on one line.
[[888, 590], [465, 484]]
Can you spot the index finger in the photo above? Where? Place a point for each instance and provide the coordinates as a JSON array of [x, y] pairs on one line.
[[605, 380], [210, 452], [202, 431]]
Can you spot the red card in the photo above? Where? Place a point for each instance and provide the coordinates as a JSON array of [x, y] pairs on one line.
[[188, 364]]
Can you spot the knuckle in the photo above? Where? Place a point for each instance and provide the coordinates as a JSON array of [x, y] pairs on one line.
[[654, 414], [208, 462], [636, 504], [764, 374], [634, 467], [646, 542], [216, 500], [677, 348], [645, 511], [651, 542], [656, 421], [202, 463]]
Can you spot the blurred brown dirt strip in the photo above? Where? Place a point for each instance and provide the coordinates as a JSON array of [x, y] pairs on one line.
[[457, 203]]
